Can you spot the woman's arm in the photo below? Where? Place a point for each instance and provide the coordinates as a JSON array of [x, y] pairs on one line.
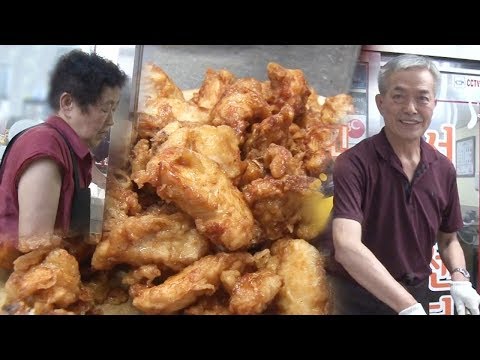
[[38, 195]]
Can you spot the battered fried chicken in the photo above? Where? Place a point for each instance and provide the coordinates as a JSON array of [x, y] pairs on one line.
[[120, 200], [241, 105], [218, 143], [140, 156], [182, 290], [213, 87], [336, 108], [156, 238], [149, 125], [164, 111], [155, 83], [199, 187], [280, 162], [305, 289], [276, 203], [45, 281], [288, 87], [216, 304], [254, 169], [272, 130], [253, 292], [163, 102], [143, 275], [318, 142]]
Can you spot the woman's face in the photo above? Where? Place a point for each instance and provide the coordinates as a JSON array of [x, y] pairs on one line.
[[93, 125]]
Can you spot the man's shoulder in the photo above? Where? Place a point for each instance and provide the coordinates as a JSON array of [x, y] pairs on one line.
[[442, 161], [359, 152]]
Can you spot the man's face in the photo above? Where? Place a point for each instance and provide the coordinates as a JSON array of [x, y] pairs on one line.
[[407, 105]]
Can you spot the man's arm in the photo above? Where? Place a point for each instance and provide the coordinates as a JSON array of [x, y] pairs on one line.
[[365, 268], [38, 196], [464, 295], [451, 253]]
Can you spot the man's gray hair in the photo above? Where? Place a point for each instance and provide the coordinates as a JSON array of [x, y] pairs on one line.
[[406, 62]]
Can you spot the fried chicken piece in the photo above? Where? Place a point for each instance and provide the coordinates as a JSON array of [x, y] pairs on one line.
[[46, 241], [184, 111], [155, 83], [280, 162], [242, 104], [99, 286], [141, 153], [8, 252], [155, 238], [120, 200], [288, 87], [314, 101], [213, 87], [149, 124], [162, 102], [305, 289], [276, 203], [336, 108], [165, 111], [229, 278], [253, 292], [312, 116], [163, 135], [272, 130], [44, 281], [265, 260], [318, 142], [254, 169], [143, 275], [183, 289], [199, 187], [218, 143], [216, 304]]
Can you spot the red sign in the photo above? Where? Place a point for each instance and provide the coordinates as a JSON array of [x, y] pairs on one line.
[[356, 128]]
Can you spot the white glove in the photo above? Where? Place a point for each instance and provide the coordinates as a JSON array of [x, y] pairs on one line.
[[415, 309], [465, 296]]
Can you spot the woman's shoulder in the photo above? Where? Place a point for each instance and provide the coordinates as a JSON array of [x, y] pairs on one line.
[[40, 139]]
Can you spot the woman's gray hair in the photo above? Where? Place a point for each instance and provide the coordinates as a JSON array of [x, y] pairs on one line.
[[406, 62]]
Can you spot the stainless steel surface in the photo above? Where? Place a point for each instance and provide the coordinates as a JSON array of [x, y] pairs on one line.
[[120, 133], [328, 68]]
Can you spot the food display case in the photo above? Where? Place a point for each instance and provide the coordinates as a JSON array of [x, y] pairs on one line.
[[184, 228], [200, 118]]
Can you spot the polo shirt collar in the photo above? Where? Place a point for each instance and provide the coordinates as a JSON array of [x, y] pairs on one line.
[[78, 146], [385, 150]]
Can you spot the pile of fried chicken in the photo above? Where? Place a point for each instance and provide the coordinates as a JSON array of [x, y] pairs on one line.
[[209, 215]]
